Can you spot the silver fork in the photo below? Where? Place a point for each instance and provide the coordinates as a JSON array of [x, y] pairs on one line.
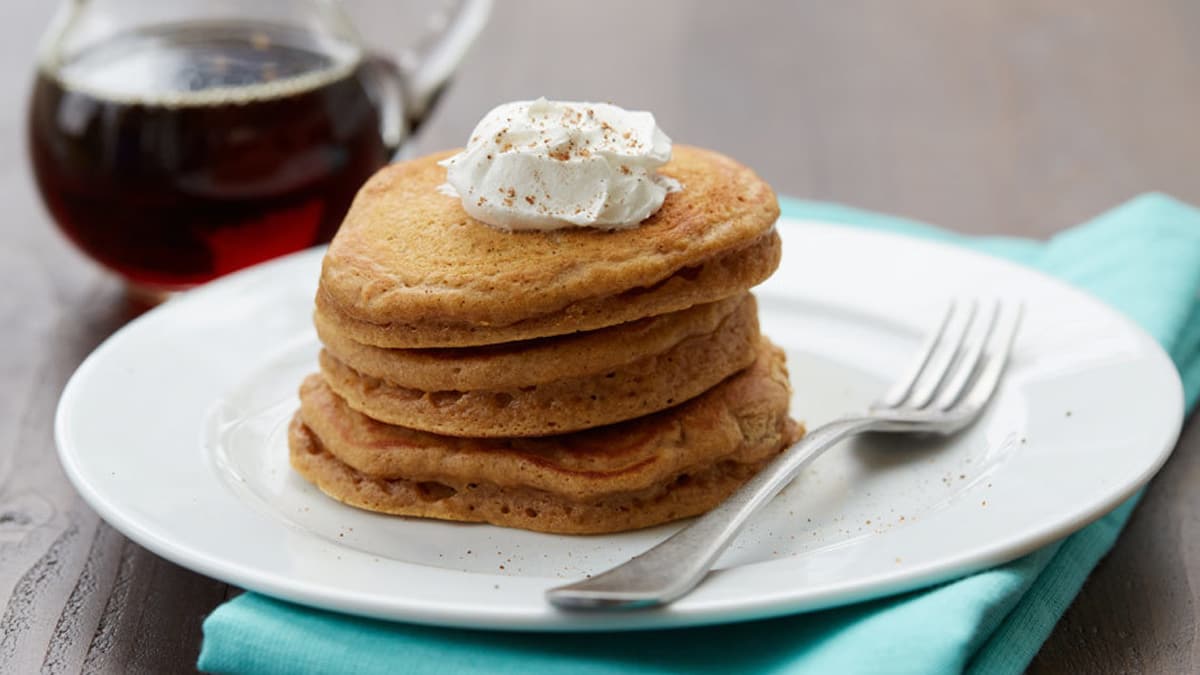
[[945, 389]]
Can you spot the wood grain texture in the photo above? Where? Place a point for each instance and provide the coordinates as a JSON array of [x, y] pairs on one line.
[[1018, 117]]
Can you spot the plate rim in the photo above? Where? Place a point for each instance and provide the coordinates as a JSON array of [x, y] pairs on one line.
[[778, 603]]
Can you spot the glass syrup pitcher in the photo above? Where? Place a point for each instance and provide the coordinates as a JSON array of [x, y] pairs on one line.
[[175, 142]]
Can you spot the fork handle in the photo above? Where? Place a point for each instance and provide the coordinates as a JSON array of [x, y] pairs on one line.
[[674, 567]]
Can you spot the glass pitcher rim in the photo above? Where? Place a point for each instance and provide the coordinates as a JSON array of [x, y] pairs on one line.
[[337, 36], [334, 19]]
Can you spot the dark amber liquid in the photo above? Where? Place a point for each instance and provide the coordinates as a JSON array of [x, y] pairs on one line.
[[177, 155]]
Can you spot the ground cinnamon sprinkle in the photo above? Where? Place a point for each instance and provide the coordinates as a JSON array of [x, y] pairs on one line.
[[581, 133]]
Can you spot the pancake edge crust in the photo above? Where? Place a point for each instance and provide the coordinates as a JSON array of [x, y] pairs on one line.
[[653, 383], [407, 254], [703, 282], [523, 508], [531, 362], [744, 419], [674, 465]]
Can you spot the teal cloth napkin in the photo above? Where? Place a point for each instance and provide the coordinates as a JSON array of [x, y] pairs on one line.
[[1142, 258]]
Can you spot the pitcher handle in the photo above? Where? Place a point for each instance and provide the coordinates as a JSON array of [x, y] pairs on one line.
[[428, 65]]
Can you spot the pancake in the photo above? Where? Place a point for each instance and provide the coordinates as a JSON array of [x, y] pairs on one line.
[[634, 454], [725, 276], [532, 362], [514, 507], [618, 393], [647, 471], [409, 268]]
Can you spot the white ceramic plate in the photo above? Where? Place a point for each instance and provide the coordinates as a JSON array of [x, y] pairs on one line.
[[173, 430]]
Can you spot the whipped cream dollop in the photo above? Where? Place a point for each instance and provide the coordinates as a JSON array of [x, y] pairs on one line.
[[544, 165]]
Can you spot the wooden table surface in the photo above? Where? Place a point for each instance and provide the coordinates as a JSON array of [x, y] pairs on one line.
[[1014, 116]]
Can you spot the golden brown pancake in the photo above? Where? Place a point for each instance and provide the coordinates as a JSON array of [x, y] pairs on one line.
[[670, 465], [514, 507], [531, 362], [409, 268], [617, 393]]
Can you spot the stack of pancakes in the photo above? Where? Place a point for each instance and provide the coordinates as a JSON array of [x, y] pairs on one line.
[[574, 381]]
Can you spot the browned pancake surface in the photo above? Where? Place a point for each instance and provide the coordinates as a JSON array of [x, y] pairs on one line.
[[532, 362], [674, 464], [645, 386], [615, 393], [514, 507], [409, 267], [743, 419]]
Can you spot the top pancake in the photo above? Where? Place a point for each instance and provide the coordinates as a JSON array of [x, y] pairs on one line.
[[410, 256]]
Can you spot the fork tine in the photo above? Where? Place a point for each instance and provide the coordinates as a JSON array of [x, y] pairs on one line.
[[942, 361], [969, 363], [899, 391], [1000, 346]]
